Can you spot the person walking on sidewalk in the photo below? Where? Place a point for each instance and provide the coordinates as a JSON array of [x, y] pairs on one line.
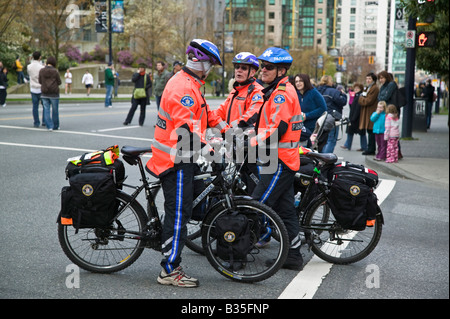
[[50, 81], [88, 81], [3, 85], [68, 80], [428, 95], [142, 84], [392, 133], [378, 118], [109, 84], [19, 70]]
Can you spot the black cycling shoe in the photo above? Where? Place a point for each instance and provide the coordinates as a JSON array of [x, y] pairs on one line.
[[292, 263]]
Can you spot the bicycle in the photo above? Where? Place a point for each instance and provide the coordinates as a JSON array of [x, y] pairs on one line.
[[116, 247], [325, 237]]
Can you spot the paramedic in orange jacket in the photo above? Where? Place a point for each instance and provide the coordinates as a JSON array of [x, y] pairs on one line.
[[278, 129], [182, 119], [240, 109]]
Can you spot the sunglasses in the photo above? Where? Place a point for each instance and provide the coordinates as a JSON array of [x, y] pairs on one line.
[[269, 67], [242, 67]]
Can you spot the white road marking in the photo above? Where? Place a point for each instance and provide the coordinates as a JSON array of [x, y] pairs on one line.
[[48, 147], [77, 133], [306, 283], [116, 128]]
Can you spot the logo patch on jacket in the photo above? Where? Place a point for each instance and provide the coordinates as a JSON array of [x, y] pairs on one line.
[[187, 101], [257, 97], [161, 123], [279, 99], [297, 126]]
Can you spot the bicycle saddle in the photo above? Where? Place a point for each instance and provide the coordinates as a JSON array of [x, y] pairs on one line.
[[135, 151], [327, 158]]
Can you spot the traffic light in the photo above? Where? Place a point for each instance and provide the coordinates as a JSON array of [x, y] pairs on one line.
[[426, 39], [371, 59], [341, 60]]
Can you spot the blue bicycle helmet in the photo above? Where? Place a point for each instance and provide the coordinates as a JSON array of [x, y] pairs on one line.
[[246, 58], [204, 50], [276, 56]]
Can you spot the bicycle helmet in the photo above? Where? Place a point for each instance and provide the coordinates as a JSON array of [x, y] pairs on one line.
[[204, 50], [277, 56], [246, 58]]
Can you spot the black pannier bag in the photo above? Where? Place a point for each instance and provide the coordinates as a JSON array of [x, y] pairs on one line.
[[94, 179], [351, 198], [94, 199], [233, 238], [355, 172]]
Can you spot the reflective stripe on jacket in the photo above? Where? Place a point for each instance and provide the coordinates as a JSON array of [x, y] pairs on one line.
[[242, 104], [183, 116], [281, 115]]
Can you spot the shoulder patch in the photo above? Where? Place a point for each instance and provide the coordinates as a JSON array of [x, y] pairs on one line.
[[257, 97], [187, 101], [279, 99]]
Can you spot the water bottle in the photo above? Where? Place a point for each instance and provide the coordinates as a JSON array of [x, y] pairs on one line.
[[297, 199]]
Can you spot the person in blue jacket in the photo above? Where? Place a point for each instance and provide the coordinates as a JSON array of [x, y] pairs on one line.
[[312, 104], [336, 100]]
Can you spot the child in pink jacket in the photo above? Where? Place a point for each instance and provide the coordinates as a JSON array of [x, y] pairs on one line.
[[392, 133]]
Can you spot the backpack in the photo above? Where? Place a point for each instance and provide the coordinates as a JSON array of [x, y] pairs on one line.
[[233, 238], [94, 179], [351, 198]]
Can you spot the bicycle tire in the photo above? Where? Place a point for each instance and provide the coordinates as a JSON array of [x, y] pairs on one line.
[[349, 246], [100, 250], [254, 268], [194, 237]]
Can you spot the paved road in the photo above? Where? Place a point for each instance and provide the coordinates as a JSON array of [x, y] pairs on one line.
[[33, 265]]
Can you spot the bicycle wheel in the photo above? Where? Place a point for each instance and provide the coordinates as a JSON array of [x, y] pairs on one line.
[[260, 263], [330, 242], [107, 250]]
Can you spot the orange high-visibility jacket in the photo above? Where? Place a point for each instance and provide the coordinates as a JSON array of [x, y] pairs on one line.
[[243, 104], [281, 114], [183, 110]]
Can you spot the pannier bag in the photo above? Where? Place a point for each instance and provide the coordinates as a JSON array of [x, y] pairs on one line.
[[355, 171], [90, 200], [233, 238], [351, 198]]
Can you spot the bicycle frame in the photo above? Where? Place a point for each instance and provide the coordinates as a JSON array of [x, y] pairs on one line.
[[152, 188]]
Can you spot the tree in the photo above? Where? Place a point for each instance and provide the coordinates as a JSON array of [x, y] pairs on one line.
[[150, 27], [433, 60], [50, 22]]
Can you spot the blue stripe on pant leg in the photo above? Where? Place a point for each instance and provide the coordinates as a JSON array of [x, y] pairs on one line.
[[177, 223], [272, 184]]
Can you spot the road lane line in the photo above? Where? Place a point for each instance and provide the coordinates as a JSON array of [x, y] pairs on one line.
[[58, 148], [78, 133], [48, 147], [308, 281], [116, 128]]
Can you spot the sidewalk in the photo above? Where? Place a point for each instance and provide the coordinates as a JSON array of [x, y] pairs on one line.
[[425, 158]]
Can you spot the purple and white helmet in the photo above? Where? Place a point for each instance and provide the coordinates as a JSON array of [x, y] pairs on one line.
[[204, 50], [246, 58]]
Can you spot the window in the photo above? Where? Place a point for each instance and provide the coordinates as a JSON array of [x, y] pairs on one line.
[[271, 29], [271, 15]]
